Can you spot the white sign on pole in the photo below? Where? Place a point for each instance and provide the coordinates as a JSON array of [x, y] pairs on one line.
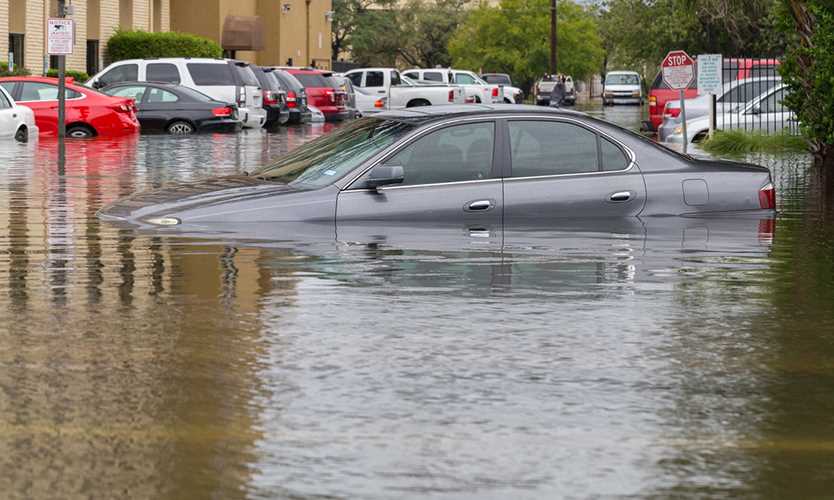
[[60, 37], [710, 77]]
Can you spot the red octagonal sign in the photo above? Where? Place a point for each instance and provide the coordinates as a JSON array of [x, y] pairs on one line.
[[678, 69]]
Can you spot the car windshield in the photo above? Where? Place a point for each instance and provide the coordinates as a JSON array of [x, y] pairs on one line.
[[323, 161], [498, 79], [194, 94], [314, 80], [622, 79]]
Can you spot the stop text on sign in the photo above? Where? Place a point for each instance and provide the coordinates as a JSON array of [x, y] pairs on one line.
[[677, 69]]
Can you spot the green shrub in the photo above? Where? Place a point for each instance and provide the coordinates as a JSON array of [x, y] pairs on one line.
[[143, 45], [18, 71], [79, 76], [738, 143]]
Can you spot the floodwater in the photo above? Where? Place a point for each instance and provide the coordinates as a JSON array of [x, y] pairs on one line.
[[656, 358]]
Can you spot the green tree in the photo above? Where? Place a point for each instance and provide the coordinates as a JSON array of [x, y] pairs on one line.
[[415, 33], [809, 74], [514, 38]]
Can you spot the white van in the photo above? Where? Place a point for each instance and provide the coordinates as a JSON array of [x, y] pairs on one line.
[[622, 87], [225, 80]]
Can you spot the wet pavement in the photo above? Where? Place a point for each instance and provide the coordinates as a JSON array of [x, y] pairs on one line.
[[650, 358]]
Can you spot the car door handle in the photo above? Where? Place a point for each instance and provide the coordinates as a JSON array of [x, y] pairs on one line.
[[620, 196], [479, 206]]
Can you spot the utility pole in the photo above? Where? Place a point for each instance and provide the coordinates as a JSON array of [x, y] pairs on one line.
[[62, 95], [553, 37]]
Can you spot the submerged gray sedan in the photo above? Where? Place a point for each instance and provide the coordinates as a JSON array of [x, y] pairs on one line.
[[474, 163]]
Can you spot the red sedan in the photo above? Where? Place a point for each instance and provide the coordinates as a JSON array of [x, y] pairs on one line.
[[322, 92], [89, 113]]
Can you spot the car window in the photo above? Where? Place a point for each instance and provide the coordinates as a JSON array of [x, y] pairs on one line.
[[210, 74], [355, 78], [497, 79], [4, 101], [288, 81], [464, 79], [312, 80], [274, 81], [613, 158], [36, 91], [622, 79], [9, 86], [122, 73], [246, 75], [763, 71], [413, 75], [132, 92], [162, 72], [452, 154], [551, 148], [773, 103], [194, 94], [747, 91], [433, 76], [374, 79], [159, 95], [395, 78]]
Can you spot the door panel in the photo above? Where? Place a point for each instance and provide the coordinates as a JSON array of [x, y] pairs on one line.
[[562, 169], [449, 175]]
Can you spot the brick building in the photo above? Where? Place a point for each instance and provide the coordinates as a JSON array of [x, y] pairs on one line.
[[23, 22]]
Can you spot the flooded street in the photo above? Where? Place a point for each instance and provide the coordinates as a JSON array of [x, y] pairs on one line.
[[664, 358]]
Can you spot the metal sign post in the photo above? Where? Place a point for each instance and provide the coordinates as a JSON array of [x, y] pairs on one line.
[[60, 38], [710, 82], [678, 72]]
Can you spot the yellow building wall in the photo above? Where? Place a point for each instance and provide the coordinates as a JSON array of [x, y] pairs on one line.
[[4, 22]]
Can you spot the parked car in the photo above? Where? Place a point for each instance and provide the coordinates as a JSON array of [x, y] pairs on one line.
[[622, 87], [321, 93], [543, 89], [765, 113], [475, 90], [733, 69], [296, 96], [462, 163], [512, 94], [15, 121], [733, 95], [88, 113], [226, 80], [345, 85], [378, 89], [174, 109], [274, 98]]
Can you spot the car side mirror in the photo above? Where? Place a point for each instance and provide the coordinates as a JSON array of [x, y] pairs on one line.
[[384, 175], [97, 84]]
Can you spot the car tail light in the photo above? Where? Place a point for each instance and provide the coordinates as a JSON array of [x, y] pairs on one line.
[[331, 94], [451, 96], [270, 98], [494, 91], [124, 107], [241, 97], [222, 112], [291, 99], [470, 100], [652, 101], [379, 103], [767, 197]]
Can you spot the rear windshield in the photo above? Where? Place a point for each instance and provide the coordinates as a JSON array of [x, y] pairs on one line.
[[274, 82], [312, 80], [288, 81], [246, 75], [498, 79], [621, 79], [194, 94], [210, 74]]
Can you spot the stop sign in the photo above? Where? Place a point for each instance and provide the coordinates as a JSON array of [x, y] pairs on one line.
[[678, 69]]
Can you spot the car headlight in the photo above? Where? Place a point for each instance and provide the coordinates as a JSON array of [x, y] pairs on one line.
[[164, 221], [678, 130]]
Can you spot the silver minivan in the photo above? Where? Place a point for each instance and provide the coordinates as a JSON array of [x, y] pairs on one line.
[[225, 80]]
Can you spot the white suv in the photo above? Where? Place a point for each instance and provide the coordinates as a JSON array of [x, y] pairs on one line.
[[225, 80]]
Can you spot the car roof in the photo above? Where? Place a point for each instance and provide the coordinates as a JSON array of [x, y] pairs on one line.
[[446, 111], [622, 72], [175, 59]]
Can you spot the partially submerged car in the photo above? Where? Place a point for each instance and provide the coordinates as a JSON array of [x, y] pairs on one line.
[[622, 87], [474, 163]]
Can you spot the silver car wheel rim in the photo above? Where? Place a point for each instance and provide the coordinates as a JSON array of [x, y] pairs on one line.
[[180, 129], [79, 134]]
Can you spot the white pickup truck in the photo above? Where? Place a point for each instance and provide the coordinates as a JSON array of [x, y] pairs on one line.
[[475, 89], [378, 89]]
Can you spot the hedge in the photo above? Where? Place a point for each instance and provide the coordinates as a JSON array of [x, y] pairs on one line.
[[144, 45], [18, 71], [79, 76]]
